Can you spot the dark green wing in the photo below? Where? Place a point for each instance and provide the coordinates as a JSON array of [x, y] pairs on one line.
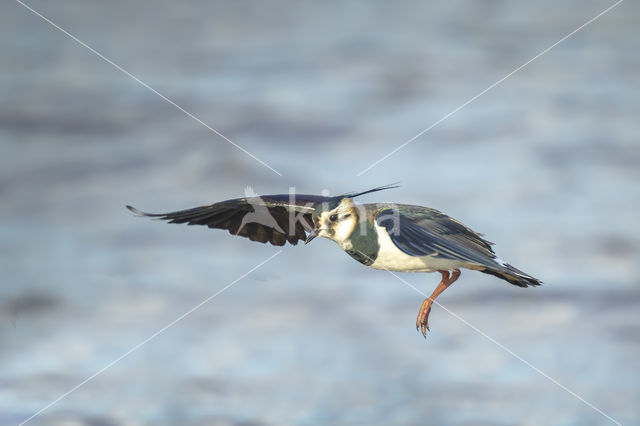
[[276, 219], [421, 231]]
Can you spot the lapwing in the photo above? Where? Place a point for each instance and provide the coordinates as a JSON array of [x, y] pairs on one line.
[[387, 236]]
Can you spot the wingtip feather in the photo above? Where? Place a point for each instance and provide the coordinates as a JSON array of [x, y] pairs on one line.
[[138, 212]]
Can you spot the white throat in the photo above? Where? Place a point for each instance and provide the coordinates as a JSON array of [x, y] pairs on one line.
[[343, 230]]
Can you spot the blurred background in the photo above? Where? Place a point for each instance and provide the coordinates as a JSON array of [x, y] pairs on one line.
[[546, 164]]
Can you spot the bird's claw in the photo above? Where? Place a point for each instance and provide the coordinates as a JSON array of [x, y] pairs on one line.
[[448, 278], [422, 322]]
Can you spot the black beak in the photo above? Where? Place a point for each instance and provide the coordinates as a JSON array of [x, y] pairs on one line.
[[311, 236]]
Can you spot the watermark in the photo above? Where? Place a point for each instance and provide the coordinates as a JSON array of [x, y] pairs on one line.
[[316, 213]]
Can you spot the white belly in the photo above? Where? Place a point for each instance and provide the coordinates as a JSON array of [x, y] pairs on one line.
[[392, 258]]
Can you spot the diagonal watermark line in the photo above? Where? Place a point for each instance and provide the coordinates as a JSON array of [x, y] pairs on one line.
[[500, 345], [509, 351], [147, 340], [127, 73], [489, 88]]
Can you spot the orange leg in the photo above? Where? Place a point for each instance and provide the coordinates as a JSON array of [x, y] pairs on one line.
[[422, 322]]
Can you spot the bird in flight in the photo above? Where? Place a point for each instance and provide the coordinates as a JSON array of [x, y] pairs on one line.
[[387, 236]]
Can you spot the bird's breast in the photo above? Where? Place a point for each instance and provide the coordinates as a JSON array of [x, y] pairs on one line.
[[362, 243]]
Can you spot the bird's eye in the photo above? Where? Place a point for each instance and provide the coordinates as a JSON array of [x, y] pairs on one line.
[[333, 217]]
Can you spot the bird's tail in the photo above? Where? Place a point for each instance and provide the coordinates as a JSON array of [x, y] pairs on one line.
[[512, 275]]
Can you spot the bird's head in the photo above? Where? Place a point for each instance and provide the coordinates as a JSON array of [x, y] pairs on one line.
[[335, 222]]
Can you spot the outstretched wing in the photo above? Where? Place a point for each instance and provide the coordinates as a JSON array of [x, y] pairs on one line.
[[421, 231], [272, 218]]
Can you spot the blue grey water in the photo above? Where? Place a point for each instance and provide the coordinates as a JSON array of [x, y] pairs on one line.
[[546, 164]]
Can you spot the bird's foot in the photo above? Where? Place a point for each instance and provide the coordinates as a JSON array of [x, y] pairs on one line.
[[422, 322]]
